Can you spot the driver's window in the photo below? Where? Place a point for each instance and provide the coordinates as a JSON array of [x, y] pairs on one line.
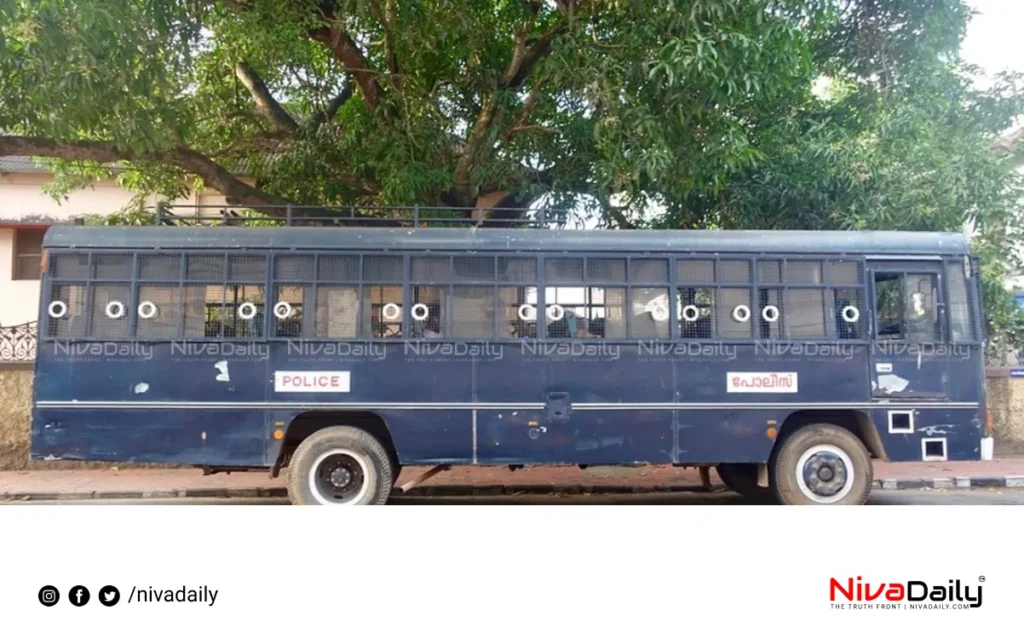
[[906, 306]]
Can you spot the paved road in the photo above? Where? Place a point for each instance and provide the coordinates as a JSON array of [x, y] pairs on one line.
[[1008, 496]]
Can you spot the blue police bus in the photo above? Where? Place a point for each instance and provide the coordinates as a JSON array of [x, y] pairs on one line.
[[336, 356]]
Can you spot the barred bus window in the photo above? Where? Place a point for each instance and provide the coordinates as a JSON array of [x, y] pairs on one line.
[[848, 310], [293, 268], [649, 313], [66, 311], [71, 266], [961, 325], [289, 311], [432, 269], [606, 270], [585, 312], [110, 307], [251, 268], [244, 307], [337, 311], [472, 312], [770, 316], [800, 271], [473, 269], [382, 268], [382, 311], [733, 313], [889, 305], [842, 272], [696, 271], [112, 266], [734, 271], [648, 271], [204, 311], [919, 302], [158, 315], [566, 270], [769, 272], [159, 267], [518, 310], [695, 308], [339, 268], [517, 269], [428, 312], [205, 267], [805, 313]]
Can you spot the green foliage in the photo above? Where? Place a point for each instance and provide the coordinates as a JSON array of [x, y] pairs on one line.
[[706, 108]]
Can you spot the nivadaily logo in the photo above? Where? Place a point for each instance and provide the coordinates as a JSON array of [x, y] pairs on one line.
[[912, 594]]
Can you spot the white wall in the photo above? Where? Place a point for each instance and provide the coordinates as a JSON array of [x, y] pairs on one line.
[[22, 197]]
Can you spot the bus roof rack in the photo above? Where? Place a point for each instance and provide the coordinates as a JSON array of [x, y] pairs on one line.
[[416, 216]]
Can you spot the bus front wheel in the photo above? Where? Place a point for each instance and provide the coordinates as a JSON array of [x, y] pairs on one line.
[[340, 465], [821, 464]]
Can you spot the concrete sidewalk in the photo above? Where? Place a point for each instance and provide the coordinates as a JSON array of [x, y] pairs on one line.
[[476, 480]]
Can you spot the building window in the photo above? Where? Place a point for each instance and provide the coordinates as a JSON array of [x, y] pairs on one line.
[[28, 253]]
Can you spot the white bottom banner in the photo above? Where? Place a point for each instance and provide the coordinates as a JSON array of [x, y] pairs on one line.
[[509, 568]]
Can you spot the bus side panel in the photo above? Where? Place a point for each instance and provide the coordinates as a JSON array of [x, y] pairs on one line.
[[587, 437], [723, 435], [431, 437], [181, 436], [147, 373], [956, 433]]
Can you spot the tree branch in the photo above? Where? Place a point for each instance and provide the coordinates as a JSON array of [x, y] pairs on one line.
[[347, 51], [235, 190], [266, 105]]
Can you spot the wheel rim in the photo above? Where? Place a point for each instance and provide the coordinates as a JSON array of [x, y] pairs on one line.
[[339, 477], [825, 473]]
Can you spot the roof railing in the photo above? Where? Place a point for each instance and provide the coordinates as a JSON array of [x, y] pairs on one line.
[[416, 216]]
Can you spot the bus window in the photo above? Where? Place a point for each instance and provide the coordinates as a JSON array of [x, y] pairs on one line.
[[110, 307], [427, 311], [585, 312], [472, 312], [243, 311], [67, 311], [769, 313], [518, 309], [159, 312], [337, 309], [962, 327], [649, 316], [805, 313], [289, 311], [204, 311], [382, 311], [694, 310], [906, 306], [733, 313]]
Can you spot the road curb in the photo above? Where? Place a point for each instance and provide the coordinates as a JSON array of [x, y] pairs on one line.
[[493, 490]]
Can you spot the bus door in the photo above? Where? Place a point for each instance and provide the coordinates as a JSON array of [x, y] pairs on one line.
[[908, 356]]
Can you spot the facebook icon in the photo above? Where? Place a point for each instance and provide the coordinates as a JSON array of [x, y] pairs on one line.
[[78, 595]]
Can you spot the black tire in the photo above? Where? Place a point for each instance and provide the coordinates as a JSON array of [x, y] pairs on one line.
[[786, 482], [353, 452], [742, 479]]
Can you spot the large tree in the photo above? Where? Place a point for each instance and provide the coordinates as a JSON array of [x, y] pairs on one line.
[[715, 113]]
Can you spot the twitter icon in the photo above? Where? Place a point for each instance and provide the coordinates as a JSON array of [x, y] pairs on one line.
[[109, 596]]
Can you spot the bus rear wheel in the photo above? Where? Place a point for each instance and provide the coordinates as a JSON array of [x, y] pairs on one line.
[[821, 464], [742, 479], [340, 465]]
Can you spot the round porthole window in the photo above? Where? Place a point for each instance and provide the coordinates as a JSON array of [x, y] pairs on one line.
[[691, 313], [555, 312], [283, 310], [420, 312], [527, 312], [147, 310], [770, 314], [247, 311], [741, 313], [114, 310], [851, 314], [57, 309]]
